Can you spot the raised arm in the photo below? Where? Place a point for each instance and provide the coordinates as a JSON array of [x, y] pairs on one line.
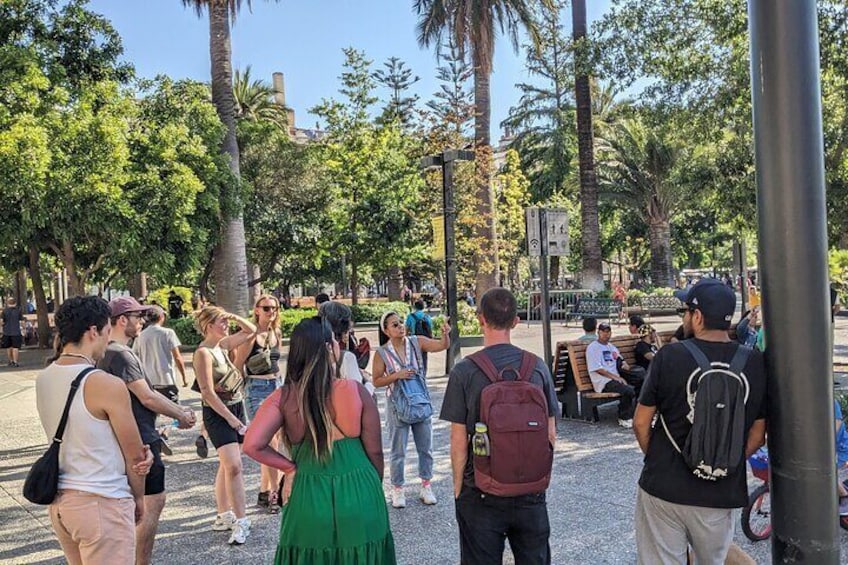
[[268, 421], [248, 330], [429, 345]]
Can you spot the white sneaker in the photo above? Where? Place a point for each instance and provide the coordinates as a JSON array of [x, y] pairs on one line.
[[398, 498], [625, 423], [241, 529], [426, 495], [224, 522]]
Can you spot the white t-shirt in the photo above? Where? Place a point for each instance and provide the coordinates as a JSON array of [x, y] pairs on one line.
[[600, 356], [350, 370], [154, 346]]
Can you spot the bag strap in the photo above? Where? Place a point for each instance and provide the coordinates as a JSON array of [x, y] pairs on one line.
[[63, 421], [740, 359], [416, 347], [699, 356], [484, 363], [528, 363]]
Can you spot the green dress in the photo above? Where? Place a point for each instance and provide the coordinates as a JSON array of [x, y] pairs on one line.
[[337, 513]]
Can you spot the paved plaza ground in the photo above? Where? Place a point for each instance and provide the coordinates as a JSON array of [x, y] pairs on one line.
[[591, 499]]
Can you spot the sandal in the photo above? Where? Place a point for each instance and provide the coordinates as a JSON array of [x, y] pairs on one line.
[[264, 499], [273, 502]]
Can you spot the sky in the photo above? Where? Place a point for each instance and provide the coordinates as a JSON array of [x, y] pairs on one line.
[[303, 39]]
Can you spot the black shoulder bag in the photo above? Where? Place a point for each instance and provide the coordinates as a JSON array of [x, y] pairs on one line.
[[42, 481]]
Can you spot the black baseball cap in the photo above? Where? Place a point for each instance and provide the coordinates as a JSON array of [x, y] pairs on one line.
[[604, 326], [715, 300]]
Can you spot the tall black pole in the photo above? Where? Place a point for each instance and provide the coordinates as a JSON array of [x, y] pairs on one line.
[[450, 259], [793, 275], [546, 301]]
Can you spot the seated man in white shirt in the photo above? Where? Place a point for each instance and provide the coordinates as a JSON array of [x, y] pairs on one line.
[[602, 364]]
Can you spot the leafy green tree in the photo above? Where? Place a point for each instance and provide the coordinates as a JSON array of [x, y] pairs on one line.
[[398, 78], [512, 188], [474, 25]]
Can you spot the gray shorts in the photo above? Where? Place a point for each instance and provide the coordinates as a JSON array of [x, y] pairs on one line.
[[664, 532]]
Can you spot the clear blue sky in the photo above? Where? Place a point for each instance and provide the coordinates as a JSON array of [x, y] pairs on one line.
[[301, 38]]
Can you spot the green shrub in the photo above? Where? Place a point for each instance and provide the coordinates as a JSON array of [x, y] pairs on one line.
[[522, 297], [185, 330], [634, 296], [373, 311], [290, 318], [160, 296], [468, 323]]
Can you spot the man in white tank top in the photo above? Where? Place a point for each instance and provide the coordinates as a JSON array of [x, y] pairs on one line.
[[102, 462]]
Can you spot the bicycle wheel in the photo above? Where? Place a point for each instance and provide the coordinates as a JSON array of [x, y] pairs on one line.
[[756, 516]]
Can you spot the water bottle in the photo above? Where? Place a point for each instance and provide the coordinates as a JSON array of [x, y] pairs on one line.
[[480, 441]]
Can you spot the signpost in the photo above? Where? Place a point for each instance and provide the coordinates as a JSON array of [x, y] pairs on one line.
[[547, 235]]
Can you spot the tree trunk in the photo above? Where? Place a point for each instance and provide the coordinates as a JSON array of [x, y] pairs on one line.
[[40, 298], [230, 272], [20, 289], [354, 283], [255, 291], [76, 285], [591, 233], [486, 255], [395, 283], [138, 285], [659, 232]]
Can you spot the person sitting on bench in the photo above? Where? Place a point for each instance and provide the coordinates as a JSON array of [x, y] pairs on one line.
[[602, 362]]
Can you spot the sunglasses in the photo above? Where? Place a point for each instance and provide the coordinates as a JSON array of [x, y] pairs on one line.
[[269, 308], [396, 325], [682, 311]]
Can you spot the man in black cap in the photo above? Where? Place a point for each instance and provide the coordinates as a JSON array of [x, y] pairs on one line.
[[675, 506]]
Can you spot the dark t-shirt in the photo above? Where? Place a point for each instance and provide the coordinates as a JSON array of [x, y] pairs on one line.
[[175, 307], [119, 360], [666, 474], [461, 404], [641, 349], [12, 320]]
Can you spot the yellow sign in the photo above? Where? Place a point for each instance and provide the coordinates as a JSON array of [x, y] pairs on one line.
[[438, 223]]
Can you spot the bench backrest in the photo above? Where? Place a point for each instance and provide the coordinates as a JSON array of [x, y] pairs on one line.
[[659, 303], [595, 305], [626, 344]]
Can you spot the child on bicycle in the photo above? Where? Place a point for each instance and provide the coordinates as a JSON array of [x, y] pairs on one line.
[[841, 457]]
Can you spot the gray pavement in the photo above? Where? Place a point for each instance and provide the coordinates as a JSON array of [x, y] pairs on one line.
[[590, 502]]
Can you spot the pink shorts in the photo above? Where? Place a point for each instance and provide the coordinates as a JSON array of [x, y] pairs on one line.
[[93, 529]]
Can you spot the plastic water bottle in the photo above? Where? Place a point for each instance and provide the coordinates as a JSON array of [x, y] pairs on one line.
[[480, 442]]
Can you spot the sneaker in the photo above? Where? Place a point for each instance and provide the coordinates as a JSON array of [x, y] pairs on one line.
[[426, 495], [625, 423], [262, 499], [224, 522], [202, 448], [398, 498], [166, 449], [241, 529], [843, 505]]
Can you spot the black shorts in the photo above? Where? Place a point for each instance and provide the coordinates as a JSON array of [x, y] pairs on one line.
[[154, 482], [220, 432], [171, 392], [13, 341]]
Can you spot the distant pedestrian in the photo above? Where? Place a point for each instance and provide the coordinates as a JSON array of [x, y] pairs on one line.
[[636, 323], [126, 316], [335, 510], [500, 479], [12, 319], [590, 327], [175, 305], [398, 366], [321, 298], [222, 396], [102, 462], [418, 322], [687, 491]]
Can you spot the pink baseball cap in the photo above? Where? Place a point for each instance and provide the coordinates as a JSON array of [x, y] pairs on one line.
[[124, 305]]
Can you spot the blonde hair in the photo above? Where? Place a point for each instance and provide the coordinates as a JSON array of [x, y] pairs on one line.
[[208, 315], [276, 321]]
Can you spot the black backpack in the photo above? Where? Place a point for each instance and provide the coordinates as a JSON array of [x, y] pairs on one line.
[[422, 327], [717, 393]]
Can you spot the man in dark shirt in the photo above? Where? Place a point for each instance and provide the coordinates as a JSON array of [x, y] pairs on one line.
[[126, 316], [646, 348], [175, 305], [485, 520], [675, 508], [12, 336]]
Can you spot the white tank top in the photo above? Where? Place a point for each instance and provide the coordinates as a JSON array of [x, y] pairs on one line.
[[90, 458]]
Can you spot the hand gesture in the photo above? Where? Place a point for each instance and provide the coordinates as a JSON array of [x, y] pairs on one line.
[[405, 373], [446, 327], [143, 467], [188, 420]]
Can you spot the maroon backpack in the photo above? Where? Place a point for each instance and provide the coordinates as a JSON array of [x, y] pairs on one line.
[[516, 413]]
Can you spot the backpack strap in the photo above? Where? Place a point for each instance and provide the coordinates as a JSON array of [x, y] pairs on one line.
[[528, 363], [740, 359], [699, 356], [484, 363]]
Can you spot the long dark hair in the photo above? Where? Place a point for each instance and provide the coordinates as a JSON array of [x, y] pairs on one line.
[[309, 371]]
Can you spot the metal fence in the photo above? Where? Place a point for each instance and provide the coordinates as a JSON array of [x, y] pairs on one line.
[[561, 302]]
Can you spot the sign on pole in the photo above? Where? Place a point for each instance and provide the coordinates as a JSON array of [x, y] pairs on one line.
[[534, 231], [438, 223], [556, 243]]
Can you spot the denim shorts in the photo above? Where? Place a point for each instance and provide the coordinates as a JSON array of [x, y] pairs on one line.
[[257, 391]]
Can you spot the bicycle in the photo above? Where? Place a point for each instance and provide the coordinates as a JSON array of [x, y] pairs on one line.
[[756, 516]]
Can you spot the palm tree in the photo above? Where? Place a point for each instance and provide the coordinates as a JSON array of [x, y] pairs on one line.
[[229, 257], [474, 25], [638, 168], [254, 101], [592, 276]]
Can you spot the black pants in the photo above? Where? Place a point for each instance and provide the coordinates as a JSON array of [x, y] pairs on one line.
[[628, 395], [635, 377], [485, 521]]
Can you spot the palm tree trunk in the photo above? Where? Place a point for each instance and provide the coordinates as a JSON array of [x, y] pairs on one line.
[[591, 233], [230, 267], [659, 232], [486, 256]]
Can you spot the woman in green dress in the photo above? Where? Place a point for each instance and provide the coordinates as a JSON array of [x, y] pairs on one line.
[[335, 510]]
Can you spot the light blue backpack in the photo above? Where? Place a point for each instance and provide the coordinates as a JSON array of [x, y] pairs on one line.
[[410, 397]]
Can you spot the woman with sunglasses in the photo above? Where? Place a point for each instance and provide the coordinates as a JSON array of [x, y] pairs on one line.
[[334, 510], [260, 359], [399, 358], [221, 390]]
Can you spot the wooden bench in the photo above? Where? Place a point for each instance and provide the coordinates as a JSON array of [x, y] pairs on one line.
[[594, 308]]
